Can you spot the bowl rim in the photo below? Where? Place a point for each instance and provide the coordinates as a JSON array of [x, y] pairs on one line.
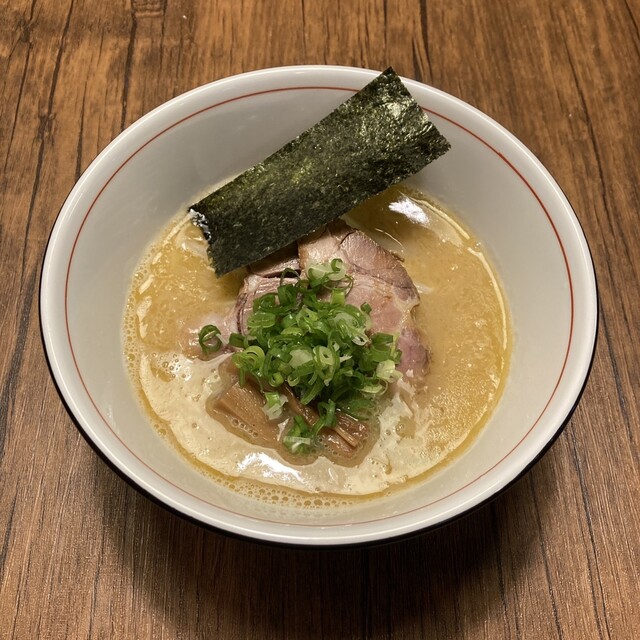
[[296, 534]]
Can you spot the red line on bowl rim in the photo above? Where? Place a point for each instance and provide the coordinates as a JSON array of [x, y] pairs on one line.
[[362, 522]]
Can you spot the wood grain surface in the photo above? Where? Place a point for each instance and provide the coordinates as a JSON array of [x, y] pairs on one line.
[[83, 555]]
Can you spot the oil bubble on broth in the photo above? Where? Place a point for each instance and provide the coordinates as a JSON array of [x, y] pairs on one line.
[[462, 317]]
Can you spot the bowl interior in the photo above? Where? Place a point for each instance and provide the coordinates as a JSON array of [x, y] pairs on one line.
[[162, 162]]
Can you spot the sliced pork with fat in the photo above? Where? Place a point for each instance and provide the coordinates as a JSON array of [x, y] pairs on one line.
[[276, 263], [379, 279]]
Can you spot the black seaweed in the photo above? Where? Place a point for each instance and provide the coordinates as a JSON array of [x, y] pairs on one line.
[[375, 139]]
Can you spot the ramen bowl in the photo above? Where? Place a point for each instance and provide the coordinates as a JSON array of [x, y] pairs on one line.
[[149, 172]]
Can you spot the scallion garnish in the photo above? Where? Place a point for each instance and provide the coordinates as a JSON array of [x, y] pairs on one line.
[[209, 339], [310, 337], [274, 404]]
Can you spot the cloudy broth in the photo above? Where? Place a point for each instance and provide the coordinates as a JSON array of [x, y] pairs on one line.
[[462, 317]]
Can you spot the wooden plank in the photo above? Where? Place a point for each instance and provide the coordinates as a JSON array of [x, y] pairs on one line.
[[82, 555]]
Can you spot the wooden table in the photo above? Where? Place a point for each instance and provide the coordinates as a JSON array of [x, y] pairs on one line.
[[83, 555]]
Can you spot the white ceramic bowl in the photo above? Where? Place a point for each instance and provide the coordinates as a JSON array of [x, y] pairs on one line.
[[158, 164]]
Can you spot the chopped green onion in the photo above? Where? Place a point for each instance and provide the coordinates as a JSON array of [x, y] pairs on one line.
[[308, 336], [327, 412], [299, 437], [386, 370], [238, 341], [209, 339], [319, 271], [300, 356], [274, 405]]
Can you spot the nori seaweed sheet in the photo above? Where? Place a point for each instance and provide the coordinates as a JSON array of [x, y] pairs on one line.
[[375, 139]]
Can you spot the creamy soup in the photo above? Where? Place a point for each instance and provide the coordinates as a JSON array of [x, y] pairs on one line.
[[462, 316]]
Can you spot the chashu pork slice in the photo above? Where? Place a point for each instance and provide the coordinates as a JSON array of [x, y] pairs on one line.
[[379, 279]]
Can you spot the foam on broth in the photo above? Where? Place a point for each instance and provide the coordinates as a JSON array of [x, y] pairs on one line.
[[462, 316]]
